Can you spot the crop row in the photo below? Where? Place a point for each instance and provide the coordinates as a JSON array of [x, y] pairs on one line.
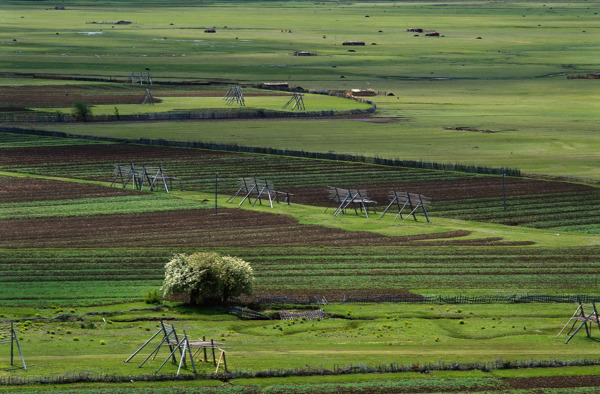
[[576, 211], [455, 195], [93, 206], [79, 276], [198, 176], [10, 140]]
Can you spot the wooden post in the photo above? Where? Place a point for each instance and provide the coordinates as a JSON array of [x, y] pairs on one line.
[[225, 362], [216, 190], [12, 340], [587, 330], [167, 337], [203, 340], [503, 189], [596, 313], [424, 210], [212, 345]]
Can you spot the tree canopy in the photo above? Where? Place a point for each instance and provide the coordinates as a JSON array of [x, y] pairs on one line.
[[207, 277]]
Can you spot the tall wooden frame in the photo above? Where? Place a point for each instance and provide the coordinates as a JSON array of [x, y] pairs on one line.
[[8, 335], [405, 199], [184, 346], [234, 96]]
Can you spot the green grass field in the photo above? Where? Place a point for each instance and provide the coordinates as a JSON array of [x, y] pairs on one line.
[[72, 245], [544, 125]]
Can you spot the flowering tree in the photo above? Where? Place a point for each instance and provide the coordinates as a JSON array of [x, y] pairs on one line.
[[208, 277]]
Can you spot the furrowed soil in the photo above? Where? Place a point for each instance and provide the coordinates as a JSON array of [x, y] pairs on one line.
[[194, 228], [21, 98], [36, 189], [592, 381], [186, 163]]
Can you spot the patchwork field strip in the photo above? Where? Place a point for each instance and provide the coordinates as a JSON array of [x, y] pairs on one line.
[[534, 203], [83, 276]]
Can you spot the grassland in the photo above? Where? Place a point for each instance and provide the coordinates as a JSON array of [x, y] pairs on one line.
[[119, 239], [411, 335], [72, 245], [544, 124], [511, 81]]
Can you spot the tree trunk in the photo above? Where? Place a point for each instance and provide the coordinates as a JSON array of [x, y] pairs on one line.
[[194, 293]]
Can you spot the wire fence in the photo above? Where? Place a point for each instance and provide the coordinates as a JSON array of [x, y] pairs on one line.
[[431, 299], [279, 152], [239, 113]]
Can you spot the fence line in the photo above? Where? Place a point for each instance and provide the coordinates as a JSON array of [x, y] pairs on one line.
[[434, 299], [31, 117], [280, 152], [307, 371]]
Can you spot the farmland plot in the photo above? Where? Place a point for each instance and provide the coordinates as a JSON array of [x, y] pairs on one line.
[[107, 275], [534, 203], [110, 244]]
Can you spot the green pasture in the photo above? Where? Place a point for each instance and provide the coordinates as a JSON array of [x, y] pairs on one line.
[[511, 81], [96, 206], [541, 126], [175, 104], [499, 67], [518, 39], [368, 335]]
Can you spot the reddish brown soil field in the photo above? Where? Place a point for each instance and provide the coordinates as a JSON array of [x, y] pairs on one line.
[[448, 190], [198, 228], [554, 382], [111, 153], [19, 98], [34, 189], [455, 189]]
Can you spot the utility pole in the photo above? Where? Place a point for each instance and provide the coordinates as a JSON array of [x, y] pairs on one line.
[[216, 190], [503, 189]]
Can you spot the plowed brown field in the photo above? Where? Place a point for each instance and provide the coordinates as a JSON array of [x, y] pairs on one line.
[[36, 189], [197, 228], [194, 161]]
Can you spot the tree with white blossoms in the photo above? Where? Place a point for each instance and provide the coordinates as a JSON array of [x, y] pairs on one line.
[[207, 277]]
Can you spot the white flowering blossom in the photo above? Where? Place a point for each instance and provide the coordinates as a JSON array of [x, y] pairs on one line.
[[207, 276]]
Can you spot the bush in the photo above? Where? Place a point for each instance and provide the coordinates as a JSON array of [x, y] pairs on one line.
[[81, 111], [153, 297], [208, 277]]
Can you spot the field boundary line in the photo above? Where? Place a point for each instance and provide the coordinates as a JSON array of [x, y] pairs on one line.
[[453, 167]]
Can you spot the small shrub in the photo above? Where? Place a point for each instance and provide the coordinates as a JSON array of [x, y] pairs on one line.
[[102, 342], [75, 339], [437, 339], [153, 297], [81, 111], [461, 322], [67, 331]]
